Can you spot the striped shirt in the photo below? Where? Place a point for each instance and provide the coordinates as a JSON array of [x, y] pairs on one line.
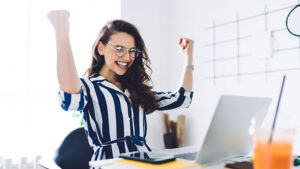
[[108, 115]]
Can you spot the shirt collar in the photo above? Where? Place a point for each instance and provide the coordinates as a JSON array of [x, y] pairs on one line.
[[100, 79]]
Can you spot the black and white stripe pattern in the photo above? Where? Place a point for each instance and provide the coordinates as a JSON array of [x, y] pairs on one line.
[[108, 115]]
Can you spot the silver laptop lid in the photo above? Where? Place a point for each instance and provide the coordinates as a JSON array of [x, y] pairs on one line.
[[228, 135]]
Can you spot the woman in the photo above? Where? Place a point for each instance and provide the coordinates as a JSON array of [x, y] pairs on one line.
[[115, 96]]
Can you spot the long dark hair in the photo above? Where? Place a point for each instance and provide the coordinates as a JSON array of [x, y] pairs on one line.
[[136, 79]]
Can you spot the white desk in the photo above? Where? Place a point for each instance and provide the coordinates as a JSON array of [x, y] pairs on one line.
[[221, 166], [217, 166]]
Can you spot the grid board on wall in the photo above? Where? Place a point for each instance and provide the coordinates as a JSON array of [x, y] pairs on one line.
[[253, 45]]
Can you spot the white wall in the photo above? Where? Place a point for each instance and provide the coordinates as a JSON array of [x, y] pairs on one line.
[[151, 18], [188, 18]]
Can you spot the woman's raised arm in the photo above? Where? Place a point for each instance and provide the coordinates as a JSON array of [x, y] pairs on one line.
[[66, 70], [187, 46]]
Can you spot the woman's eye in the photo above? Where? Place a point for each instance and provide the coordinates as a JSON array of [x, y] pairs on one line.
[[132, 50], [119, 48]]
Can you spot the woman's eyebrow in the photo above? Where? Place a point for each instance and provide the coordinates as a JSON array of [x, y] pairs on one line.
[[126, 47], [118, 45]]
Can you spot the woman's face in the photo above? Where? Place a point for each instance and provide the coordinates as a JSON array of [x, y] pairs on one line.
[[117, 62]]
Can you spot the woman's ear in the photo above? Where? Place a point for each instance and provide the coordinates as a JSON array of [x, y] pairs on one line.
[[100, 48]]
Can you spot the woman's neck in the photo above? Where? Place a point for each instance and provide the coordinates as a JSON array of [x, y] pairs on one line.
[[111, 77]]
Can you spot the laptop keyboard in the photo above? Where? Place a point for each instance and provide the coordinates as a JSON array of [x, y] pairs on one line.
[[187, 156]]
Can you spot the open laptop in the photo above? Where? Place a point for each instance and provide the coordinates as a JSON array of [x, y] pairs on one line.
[[228, 134]]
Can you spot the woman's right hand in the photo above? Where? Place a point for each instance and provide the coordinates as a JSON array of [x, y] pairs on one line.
[[60, 20], [66, 70]]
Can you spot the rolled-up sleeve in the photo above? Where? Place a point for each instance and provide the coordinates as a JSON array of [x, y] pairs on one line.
[[73, 102], [174, 100]]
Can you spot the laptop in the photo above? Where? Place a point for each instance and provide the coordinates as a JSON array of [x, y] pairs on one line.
[[228, 134]]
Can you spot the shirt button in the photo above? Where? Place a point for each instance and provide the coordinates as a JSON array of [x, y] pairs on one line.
[[128, 118]]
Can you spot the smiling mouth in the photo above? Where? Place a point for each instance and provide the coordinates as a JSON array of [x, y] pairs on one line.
[[122, 65]]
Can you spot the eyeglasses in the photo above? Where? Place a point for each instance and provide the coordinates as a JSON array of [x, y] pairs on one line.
[[121, 51]]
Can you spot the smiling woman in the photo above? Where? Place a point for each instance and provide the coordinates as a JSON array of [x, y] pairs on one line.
[[130, 68], [116, 93], [116, 57]]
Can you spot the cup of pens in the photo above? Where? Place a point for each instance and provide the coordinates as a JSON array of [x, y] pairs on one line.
[[274, 152]]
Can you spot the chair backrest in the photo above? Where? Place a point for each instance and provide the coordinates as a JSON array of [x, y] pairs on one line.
[[74, 152]]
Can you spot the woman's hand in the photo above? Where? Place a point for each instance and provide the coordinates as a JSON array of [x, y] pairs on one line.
[[60, 20], [187, 46], [66, 70]]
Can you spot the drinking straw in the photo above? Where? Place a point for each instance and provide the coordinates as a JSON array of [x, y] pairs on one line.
[[277, 108]]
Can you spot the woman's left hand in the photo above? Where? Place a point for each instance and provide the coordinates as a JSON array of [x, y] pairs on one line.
[[186, 45]]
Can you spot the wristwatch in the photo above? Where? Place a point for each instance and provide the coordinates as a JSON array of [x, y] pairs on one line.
[[189, 66]]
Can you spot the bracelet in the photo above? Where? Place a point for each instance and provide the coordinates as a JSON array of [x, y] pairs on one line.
[[189, 66]]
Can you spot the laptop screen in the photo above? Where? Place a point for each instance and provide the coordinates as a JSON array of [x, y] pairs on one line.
[[228, 135]]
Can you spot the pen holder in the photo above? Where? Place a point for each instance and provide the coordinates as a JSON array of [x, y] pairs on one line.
[[171, 137], [175, 132], [170, 140]]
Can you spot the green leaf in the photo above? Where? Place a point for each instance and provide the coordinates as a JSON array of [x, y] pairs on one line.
[[75, 115]]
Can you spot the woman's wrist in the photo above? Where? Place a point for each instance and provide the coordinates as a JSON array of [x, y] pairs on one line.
[[189, 60], [189, 66]]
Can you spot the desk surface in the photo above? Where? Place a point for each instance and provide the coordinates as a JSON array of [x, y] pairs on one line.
[[217, 166], [222, 166]]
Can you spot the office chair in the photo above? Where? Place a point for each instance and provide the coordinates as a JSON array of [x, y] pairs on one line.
[[74, 152]]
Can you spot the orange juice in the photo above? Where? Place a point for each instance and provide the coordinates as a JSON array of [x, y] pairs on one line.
[[274, 155]]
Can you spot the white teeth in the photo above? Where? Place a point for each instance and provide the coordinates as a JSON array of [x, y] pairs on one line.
[[122, 64]]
